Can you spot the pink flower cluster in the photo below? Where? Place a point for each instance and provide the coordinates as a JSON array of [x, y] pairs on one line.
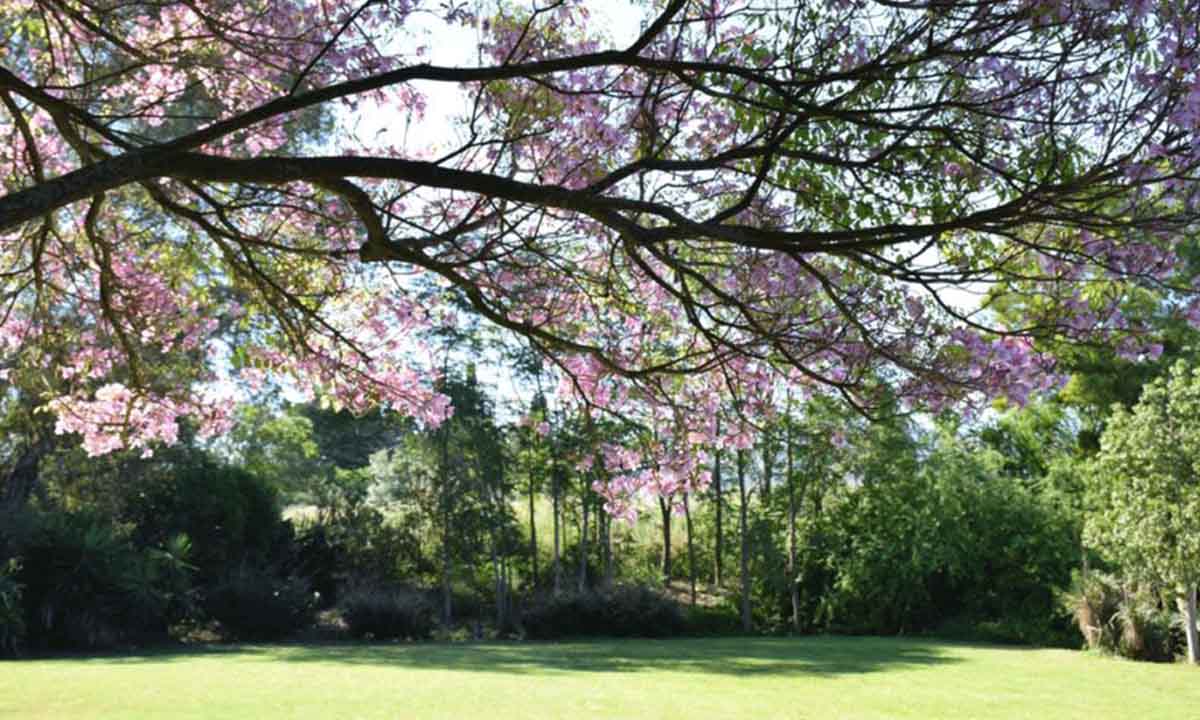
[[118, 418]]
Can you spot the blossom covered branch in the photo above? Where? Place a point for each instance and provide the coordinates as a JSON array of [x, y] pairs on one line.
[[746, 191]]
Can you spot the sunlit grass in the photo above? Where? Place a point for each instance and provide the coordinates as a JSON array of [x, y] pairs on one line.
[[711, 678]]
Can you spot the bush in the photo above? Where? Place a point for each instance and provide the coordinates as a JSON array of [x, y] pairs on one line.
[[257, 604], [1017, 630], [387, 614], [359, 547], [957, 541], [1123, 618], [12, 614], [1147, 633], [1093, 602], [708, 621], [231, 516], [623, 611], [84, 585]]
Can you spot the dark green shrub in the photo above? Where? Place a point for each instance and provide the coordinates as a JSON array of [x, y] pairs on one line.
[[641, 611], [1018, 630], [319, 557], [622, 611], [255, 603], [12, 614], [359, 547], [387, 613], [85, 585], [569, 614], [231, 516], [708, 621]]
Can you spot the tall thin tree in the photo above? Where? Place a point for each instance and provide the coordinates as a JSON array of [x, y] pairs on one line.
[[744, 537]]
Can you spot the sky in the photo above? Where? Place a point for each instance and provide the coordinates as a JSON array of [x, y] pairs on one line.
[[457, 46]]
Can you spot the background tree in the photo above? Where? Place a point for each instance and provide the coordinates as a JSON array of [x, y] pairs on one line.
[[1145, 491]]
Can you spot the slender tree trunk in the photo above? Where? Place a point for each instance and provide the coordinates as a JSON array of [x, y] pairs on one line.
[[533, 551], [598, 529], [498, 574], [506, 606], [447, 597], [608, 550], [718, 501], [499, 502], [447, 607], [594, 528], [768, 463], [687, 516], [793, 585], [555, 490], [747, 620], [664, 505], [1187, 607], [581, 583]]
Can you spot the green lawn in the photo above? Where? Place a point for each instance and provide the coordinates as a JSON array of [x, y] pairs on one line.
[[694, 679]]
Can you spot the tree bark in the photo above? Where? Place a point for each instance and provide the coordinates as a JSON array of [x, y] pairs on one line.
[[447, 607], [718, 501], [664, 506], [747, 619], [504, 612], [793, 585], [768, 463], [691, 549], [608, 550], [581, 581], [447, 596], [533, 552], [555, 487], [1187, 607], [499, 562], [498, 574]]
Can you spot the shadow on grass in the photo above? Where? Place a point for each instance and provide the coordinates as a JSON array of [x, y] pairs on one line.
[[805, 656], [808, 656], [152, 654]]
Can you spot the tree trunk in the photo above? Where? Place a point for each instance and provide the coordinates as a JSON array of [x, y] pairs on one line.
[[500, 561], [664, 506], [608, 551], [557, 560], [747, 620], [1187, 607], [447, 608], [533, 553], [718, 500], [687, 516], [498, 574], [581, 582], [768, 463], [504, 607], [793, 585], [447, 598]]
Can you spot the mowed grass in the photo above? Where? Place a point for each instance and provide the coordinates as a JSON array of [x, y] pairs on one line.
[[761, 678]]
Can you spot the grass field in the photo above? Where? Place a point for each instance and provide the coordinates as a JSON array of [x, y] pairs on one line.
[[694, 679]]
